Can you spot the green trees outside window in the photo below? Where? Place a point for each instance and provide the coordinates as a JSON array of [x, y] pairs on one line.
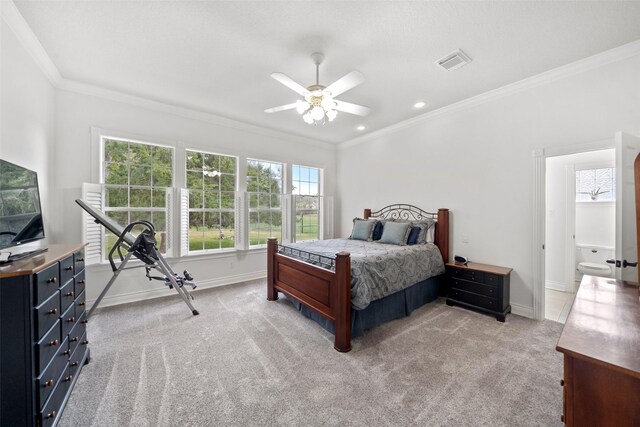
[[264, 188], [136, 177], [306, 195], [211, 181]]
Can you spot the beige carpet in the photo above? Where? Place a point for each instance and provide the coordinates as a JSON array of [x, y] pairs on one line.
[[247, 361]]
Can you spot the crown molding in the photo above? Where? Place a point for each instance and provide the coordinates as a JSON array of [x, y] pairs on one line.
[[583, 65], [191, 113], [12, 17]]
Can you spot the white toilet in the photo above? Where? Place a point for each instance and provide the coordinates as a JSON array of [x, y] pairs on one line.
[[592, 260]]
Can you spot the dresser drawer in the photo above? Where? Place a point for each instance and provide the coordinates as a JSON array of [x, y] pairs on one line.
[[76, 358], [79, 283], [66, 270], [46, 315], [46, 283], [493, 279], [67, 296], [68, 320], [472, 275], [46, 383], [78, 259], [77, 334], [80, 303], [478, 288], [51, 411], [47, 347], [474, 299]]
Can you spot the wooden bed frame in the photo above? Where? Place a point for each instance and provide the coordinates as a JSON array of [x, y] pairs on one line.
[[327, 291]]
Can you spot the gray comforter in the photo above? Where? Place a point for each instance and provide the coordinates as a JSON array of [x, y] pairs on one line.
[[379, 269]]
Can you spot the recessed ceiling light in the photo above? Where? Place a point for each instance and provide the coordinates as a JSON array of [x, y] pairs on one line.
[[361, 127], [419, 104]]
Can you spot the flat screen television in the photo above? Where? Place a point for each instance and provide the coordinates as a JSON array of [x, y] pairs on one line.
[[20, 210]]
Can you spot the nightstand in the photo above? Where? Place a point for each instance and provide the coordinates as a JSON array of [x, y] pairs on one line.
[[482, 287]]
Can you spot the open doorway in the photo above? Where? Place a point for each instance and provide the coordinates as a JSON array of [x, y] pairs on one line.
[[580, 228]]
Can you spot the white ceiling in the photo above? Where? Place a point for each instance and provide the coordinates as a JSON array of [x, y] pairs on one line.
[[216, 56]]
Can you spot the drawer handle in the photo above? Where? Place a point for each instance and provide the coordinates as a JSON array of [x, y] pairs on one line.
[[85, 321], [53, 311], [66, 352], [54, 343], [54, 279], [74, 339], [51, 414], [74, 364], [70, 268], [48, 384], [71, 319], [81, 303], [70, 294], [69, 378], [562, 382], [85, 342], [81, 282], [80, 260]]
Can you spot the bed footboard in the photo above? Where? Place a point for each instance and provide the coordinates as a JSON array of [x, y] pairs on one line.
[[325, 291]]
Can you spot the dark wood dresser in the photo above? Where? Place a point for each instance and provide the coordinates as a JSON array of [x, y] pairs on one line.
[[482, 287], [601, 346], [43, 339]]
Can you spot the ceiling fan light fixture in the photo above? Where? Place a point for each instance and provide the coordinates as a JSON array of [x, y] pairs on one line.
[[331, 114], [302, 106], [307, 118]]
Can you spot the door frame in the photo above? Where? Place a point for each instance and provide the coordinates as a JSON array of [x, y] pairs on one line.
[[539, 210]]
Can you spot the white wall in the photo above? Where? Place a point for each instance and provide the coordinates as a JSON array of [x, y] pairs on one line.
[[478, 162], [26, 118], [77, 113], [594, 223]]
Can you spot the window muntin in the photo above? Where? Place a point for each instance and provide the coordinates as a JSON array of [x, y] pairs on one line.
[[264, 189], [596, 185], [211, 180], [306, 200], [137, 177]]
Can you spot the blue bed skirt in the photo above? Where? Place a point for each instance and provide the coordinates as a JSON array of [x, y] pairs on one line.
[[391, 307]]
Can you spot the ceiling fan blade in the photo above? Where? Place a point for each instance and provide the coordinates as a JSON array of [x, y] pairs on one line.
[[347, 107], [281, 108], [345, 83], [288, 82]]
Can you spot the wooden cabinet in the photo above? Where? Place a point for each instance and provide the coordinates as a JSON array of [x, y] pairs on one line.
[[44, 341], [482, 287], [601, 346]]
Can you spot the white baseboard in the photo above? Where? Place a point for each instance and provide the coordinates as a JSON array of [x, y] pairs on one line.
[[163, 291], [557, 286], [522, 310]]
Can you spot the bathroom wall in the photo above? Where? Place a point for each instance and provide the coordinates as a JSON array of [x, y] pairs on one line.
[[594, 222]]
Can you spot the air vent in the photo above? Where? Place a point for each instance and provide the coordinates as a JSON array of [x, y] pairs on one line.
[[454, 60]]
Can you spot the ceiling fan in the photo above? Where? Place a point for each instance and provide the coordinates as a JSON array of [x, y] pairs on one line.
[[319, 103]]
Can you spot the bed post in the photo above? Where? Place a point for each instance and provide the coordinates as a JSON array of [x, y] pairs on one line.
[[342, 302], [442, 233], [367, 213], [272, 249]]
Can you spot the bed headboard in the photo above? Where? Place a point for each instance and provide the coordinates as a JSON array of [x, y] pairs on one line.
[[402, 212]]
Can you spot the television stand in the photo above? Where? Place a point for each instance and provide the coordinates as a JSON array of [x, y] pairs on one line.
[[6, 257]]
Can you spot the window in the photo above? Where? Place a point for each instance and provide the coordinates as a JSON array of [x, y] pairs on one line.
[[137, 177], [306, 195], [264, 188], [596, 185], [211, 182]]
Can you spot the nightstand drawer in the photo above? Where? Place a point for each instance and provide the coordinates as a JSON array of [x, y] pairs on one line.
[[474, 299], [478, 288], [46, 315], [46, 283], [472, 275], [66, 270]]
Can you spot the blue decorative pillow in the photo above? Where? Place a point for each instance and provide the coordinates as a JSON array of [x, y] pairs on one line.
[[425, 225], [413, 236], [377, 230], [362, 229], [395, 233]]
